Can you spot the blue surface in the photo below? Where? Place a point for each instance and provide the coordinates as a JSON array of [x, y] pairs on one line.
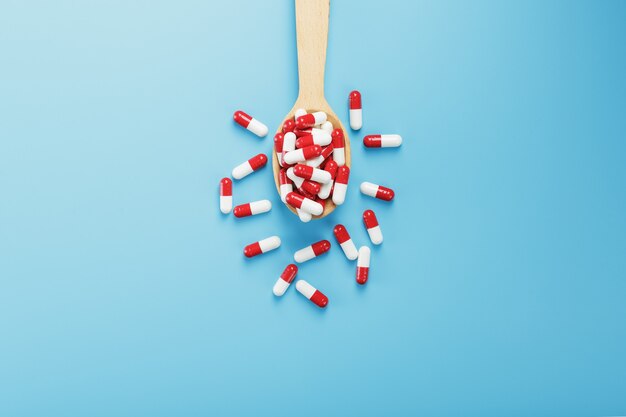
[[499, 289]]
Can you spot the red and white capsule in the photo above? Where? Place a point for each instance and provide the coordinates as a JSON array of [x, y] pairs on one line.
[[262, 246], [306, 204], [372, 226], [226, 195], [311, 251], [301, 155], [341, 185], [356, 110], [339, 153], [278, 147], [317, 137], [318, 160], [253, 208], [310, 120], [316, 296], [309, 187], [363, 265], [285, 280], [310, 173], [331, 168], [285, 185], [382, 141], [253, 164], [345, 241], [377, 191], [250, 123]]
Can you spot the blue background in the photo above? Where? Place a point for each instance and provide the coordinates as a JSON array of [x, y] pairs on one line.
[[499, 289]]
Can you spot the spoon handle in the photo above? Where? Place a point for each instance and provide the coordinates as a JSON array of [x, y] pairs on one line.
[[312, 39]]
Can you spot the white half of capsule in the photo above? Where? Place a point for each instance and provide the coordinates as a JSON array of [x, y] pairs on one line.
[[305, 288], [327, 126], [356, 119], [284, 190], [289, 142], [269, 243], [339, 155], [325, 190], [390, 141], [293, 177], [364, 257], [349, 249], [304, 254], [279, 156], [376, 235], [257, 127], [311, 207], [315, 162], [321, 137], [339, 193], [320, 117], [299, 112], [280, 287], [242, 170], [369, 189], [261, 206], [226, 203], [304, 216], [293, 157], [321, 176]]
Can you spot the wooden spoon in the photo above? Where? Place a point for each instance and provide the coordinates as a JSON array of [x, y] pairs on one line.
[[312, 39]]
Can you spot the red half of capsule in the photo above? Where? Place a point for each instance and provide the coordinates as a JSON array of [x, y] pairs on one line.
[[243, 210], [252, 249], [226, 187], [308, 120], [278, 141], [257, 161], [372, 141], [303, 171], [343, 175], [302, 132], [289, 273], [303, 141], [362, 274], [355, 100], [305, 193], [337, 137], [320, 247], [289, 126], [311, 151], [369, 218], [341, 233], [327, 151], [385, 193], [319, 299], [311, 187], [242, 118], [294, 199], [282, 177], [331, 167]]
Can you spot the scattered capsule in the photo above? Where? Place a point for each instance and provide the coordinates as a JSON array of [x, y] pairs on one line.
[[331, 168], [226, 195], [318, 160], [316, 296], [341, 185], [310, 173], [250, 123], [377, 191], [363, 265], [285, 279], [298, 113], [253, 208], [339, 153], [356, 112], [306, 204], [317, 137], [327, 126], [304, 216], [373, 229], [345, 241], [248, 167], [278, 147], [382, 141], [310, 120], [285, 185], [262, 246], [301, 155], [312, 251], [289, 125]]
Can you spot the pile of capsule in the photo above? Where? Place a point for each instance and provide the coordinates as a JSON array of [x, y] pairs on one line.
[[311, 154]]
